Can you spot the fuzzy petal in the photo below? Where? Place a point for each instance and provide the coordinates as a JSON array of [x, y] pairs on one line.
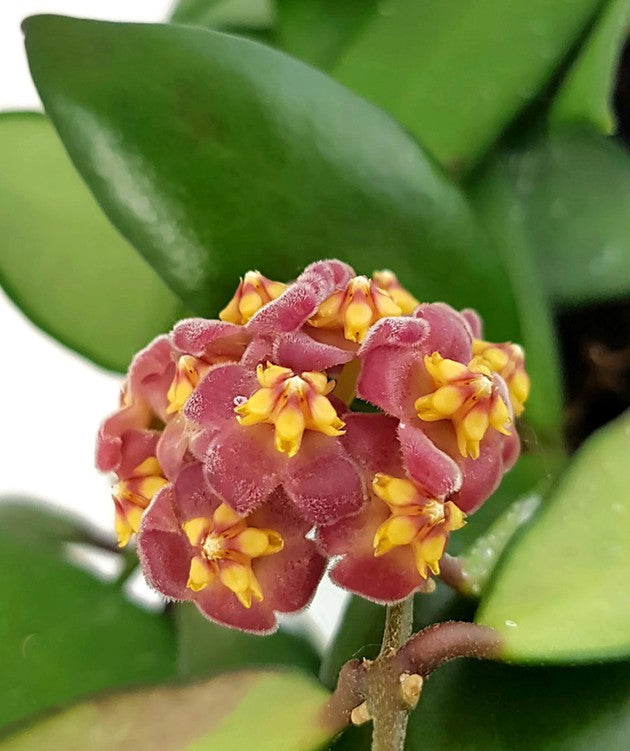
[[386, 579], [372, 441], [136, 446], [211, 405], [473, 319], [209, 338], [433, 469], [218, 604], [322, 480], [151, 373], [109, 442], [300, 352], [448, 331], [243, 467], [172, 447], [163, 548]]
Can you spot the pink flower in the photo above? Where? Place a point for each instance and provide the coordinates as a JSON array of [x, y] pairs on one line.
[[418, 369], [240, 570], [401, 532]]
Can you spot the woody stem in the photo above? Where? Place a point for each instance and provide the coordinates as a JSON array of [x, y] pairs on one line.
[[389, 721]]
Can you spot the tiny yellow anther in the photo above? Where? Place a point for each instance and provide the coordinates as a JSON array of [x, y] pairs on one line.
[[253, 292]]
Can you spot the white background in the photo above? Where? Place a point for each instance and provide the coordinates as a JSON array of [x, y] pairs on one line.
[[52, 400]]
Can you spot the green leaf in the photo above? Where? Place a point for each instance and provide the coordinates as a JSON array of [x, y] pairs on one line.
[[497, 196], [204, 649], [361, 629], [586, 94], [246, 710], [468, 706], [214, 154], [574, 189], [222, 14], [34, 523], [65, 634], [456, 72], [61, 261], [317, 31], [560, 591]]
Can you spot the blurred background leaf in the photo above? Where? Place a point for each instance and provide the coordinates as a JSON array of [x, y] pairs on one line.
[[65, 634], [456, 72], [586, 94], [560, 592], [261, 162], [250, 18], [237, 711], [205, 648], [62, 262]]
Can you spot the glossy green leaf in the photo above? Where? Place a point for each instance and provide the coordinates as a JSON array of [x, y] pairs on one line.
[[204, 648], [222, 14], [469, 706], [214, 154], [456, 72], [265, 711], [317, 31], [61, 261], [574, 190], [65, 634], [497, 194], [586, 94], [560, 593]]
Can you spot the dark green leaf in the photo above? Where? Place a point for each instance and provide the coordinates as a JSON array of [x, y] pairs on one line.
[[222, 14], [204, 649], [214, 154], [65, 634], [560, 591], [586, 94], [61, 261], [468, 706], [498, 197], [258, 710], [574, 189], [456, 72], [317, 31]]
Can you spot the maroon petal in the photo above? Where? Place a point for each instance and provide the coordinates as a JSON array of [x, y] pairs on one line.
[[211, 405], [300, 301], [209, 338], [322, 480], [473, 319], [433, 469], [135, 447], [280, 513], [448, 331], [259, 350], [300, 352], [481, 476], [389, 578], [243, 467], [163, 548], [151, 373], [172, 447], [192, 496], [109, 440], [372, 441], [289, 579], [222, 606]]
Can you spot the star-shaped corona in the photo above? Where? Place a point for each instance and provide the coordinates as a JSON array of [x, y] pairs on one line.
[[388, 281], [423, 523], [253, 291], [355, 308], [292, 403], [466, 395], [508, 360], [133, 494], [224, 547], [188, 372]]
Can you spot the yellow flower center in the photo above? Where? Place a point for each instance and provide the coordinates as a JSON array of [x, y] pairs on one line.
[[465, 395], [508, 360], [388, 281], [423, 523], [225, 547], [293, 404], [189, 371], [355, 308], [133, 495], [253, 291]]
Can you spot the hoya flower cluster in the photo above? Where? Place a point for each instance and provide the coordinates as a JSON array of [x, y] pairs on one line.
[[243, 464]]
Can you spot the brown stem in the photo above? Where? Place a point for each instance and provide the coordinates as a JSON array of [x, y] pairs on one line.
[[383, 696], [349, 693], [429, 648], [452, 573]]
